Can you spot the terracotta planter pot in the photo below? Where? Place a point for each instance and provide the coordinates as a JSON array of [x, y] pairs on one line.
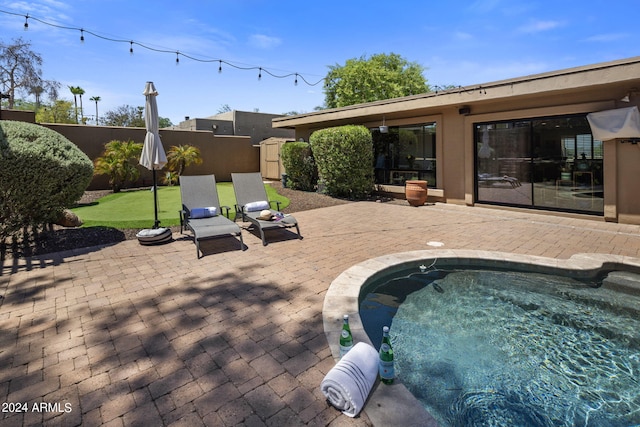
[[416, 192]]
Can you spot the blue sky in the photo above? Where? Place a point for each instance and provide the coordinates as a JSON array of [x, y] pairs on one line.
[[458, 43]]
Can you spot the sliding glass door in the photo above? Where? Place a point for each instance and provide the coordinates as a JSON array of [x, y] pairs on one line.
[[550, 163]]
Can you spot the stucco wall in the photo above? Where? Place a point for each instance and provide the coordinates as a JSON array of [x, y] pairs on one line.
[[18, 115], [221, 155], [255, 125], [627, 182]]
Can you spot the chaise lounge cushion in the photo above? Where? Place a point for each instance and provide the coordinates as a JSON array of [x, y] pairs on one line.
[[203, 212], [256, 206]]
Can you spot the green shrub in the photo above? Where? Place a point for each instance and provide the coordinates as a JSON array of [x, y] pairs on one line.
[[298, 161], [41, 173], [345, 160], [119, 161]]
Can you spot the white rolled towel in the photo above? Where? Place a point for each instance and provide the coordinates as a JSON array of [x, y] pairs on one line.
[[348, 384]]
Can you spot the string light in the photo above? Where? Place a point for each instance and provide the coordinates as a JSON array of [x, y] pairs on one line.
[[26, 22], [460, 89], [295, 82], [177, 53]]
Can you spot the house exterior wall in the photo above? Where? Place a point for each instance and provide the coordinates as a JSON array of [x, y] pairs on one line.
[[258, 126], [626, 183], [575, 91], [255, 125]]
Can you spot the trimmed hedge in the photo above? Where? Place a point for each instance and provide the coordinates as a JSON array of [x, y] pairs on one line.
[[41, 174], [298, 161], [344, 156]]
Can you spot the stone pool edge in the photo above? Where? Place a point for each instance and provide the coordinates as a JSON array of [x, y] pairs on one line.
[[395, 404]]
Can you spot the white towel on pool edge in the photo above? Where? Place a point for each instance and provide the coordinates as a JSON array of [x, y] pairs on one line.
[[348, 384]]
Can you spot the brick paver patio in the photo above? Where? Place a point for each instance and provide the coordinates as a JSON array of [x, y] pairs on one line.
[[129, 335]]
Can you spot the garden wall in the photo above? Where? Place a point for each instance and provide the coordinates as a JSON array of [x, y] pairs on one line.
[[221, 155]]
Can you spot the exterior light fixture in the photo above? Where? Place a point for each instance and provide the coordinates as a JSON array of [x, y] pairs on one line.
[[220, 67], [26, 22], [260, 74], [131, 48], [81, 35], [383, 128]]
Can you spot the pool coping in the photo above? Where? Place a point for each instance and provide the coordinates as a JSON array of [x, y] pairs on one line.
[[395, 404]]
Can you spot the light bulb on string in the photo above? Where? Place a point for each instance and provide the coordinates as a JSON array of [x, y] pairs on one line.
[[296, 75]]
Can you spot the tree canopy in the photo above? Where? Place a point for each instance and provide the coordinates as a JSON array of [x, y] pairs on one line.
[[128, 116], [382, 76], [20, 71]]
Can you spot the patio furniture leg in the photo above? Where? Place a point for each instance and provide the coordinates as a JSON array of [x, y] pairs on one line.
[[241, 242]]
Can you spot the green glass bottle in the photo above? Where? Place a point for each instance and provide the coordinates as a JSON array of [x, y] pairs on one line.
[[385, 365], [346, 340]]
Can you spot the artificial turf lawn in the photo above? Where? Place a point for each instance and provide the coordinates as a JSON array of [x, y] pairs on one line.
[[134, 209]]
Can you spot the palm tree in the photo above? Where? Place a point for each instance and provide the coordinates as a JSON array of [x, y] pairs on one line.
[[76, 90], [96, 99], [181, 156], [116, 161], [80, 93]]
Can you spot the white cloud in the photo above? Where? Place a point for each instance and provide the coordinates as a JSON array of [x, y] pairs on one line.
[[262, 41], [607, 37], [484, 6], [44, 10], [539, 26], [461, 35]]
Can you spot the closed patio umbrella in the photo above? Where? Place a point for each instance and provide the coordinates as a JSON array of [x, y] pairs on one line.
[[153, 156]]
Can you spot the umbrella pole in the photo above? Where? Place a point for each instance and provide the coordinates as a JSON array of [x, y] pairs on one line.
[[156, 223]]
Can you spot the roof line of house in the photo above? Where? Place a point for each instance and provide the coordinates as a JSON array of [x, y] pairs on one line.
[[477, 88]]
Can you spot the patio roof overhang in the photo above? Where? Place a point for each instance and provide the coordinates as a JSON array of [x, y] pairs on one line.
[[598, 82]]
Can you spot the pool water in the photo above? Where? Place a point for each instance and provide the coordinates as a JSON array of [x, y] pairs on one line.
[[499, 348]]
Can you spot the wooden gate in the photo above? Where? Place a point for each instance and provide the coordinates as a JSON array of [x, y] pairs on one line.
[[270, 163]]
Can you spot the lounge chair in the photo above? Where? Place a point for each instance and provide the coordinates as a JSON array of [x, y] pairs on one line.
[[252, 199], [201, 211]]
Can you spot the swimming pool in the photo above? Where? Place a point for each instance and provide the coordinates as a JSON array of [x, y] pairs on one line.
[[471, 367], [487, 347]]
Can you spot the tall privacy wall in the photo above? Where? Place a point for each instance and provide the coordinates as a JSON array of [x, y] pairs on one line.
[[221, 155]]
